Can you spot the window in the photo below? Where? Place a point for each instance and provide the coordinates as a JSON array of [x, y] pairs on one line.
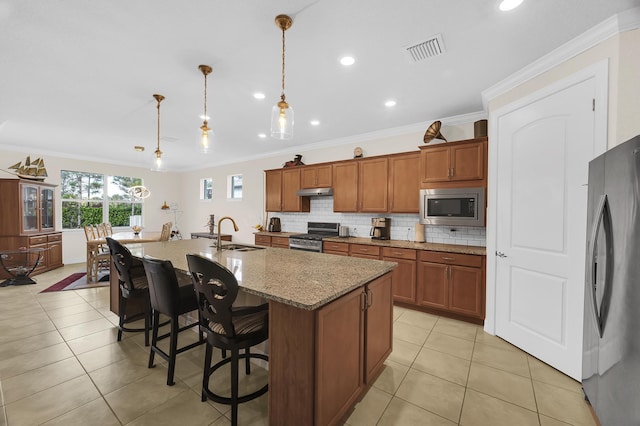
[[93, 198], [235, 187], [206, 189]]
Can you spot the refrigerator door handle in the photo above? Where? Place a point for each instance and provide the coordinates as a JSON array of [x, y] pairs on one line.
[[603, 217]]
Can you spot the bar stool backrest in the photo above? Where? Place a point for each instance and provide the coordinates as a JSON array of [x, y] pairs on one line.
[[123, 262], [164, 288]]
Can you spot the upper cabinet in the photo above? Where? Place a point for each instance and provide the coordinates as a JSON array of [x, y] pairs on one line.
[[404, 183], [317, 176], [454, 164], [281, 186], [27, 207], [361, 185]]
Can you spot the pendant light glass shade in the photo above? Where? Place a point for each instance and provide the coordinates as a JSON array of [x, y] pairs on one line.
[[159, 164], [282, 113], [205, 131], [282, 121]]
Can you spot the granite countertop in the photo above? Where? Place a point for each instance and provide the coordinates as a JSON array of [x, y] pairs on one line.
[[448, 248], [298, 278], [277, 234]]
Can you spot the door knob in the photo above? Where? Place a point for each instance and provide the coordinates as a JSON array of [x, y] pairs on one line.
[[500, 254]]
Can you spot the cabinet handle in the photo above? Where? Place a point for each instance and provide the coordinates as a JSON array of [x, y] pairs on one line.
[[369, 298], [449, 273], [398, 253], [363, 298], [448, 258], [363, 249]]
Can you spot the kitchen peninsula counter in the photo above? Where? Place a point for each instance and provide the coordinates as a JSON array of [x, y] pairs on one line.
[[330, 323]]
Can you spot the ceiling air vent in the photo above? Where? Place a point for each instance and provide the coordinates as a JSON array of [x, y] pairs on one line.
[[433, 46]]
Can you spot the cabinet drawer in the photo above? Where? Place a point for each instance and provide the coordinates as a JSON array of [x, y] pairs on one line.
[[54, 237], [263, 240], [364, 249], [451, 258], [280, 242], [40, 239], [399, 253], [331, 246]]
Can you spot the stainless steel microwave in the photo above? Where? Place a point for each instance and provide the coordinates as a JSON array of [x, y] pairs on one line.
[[455, 206]]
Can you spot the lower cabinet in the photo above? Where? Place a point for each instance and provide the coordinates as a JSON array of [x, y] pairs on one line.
[[364, 251], [271, 241], [404, 275], [341, 249], [360, 325], [451, 282]]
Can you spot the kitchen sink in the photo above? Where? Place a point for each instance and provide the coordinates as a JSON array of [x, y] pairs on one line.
[[240, 247]]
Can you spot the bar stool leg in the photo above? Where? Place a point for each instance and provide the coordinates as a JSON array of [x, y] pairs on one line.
[[207, 371], [173, 347], [154, 337], [235, 355]]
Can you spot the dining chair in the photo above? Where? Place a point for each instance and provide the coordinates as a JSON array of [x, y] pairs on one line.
[[166, 231]]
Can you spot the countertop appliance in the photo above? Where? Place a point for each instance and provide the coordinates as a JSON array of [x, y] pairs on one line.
[[452, 206], [274, 225], [380, 228], [611, 344], [312, 240]]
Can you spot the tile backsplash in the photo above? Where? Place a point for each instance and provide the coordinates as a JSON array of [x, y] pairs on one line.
[[402, 225]]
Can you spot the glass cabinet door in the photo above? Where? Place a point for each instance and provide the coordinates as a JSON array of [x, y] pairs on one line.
[[46, 209], [29, 208]]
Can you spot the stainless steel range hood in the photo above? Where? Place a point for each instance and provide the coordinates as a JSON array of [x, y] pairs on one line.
[[314, 192]]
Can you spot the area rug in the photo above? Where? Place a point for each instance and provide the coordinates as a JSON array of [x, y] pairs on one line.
[[77, 281]]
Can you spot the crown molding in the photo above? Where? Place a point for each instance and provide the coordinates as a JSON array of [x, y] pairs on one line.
[[616, 24]]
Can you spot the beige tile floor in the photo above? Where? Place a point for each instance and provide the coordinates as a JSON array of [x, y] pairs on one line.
[[60, 364]]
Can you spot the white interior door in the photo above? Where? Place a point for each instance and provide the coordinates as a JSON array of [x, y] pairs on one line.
[[543, 150]]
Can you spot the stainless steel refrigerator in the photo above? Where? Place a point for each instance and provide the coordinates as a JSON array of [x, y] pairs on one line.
[[611, 346]]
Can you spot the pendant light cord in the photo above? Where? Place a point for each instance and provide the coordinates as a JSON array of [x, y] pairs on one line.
[[158, 148], [205, 100], [282, 96]]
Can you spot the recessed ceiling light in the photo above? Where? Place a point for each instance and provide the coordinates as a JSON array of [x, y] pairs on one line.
[[509, 4], [347, 61], [262, 135], [258, 95], [139, 148], [390, 103], [314, 122]]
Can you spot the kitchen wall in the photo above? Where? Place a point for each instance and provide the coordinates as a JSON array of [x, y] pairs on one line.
[[402, 225]]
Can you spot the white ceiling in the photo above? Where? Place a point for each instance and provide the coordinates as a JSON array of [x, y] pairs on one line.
[[77, 76]]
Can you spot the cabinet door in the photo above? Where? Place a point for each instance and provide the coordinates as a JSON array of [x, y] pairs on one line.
[[47, 220], [404, 280], [345, 187], [373, 181], [404, 183], [434, 164], [316, 176], [29, 208], [433, 285], [467, 162], [262, 240], [273, 189], [282, 242], [290, 186], [466, 292], [54, 254], [378, 325], [339, 356]]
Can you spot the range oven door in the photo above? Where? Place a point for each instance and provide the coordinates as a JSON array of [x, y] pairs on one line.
[[305, 245]]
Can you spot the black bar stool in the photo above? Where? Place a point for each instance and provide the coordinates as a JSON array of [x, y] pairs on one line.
[[171, 298], [133, 285], [228, 328]]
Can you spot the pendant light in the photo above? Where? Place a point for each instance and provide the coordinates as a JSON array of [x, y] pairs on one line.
[[282, 113], [204, 138], [158, 164]]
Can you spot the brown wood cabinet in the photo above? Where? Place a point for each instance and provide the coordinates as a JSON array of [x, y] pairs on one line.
[[451, 282], [457, 164], [317, 176], [404, 275], [27, 219], [341, 249], [360, 324], [373, 181], [345, 186], [271, 241], [404, 183], [281, 186], [364, 251]]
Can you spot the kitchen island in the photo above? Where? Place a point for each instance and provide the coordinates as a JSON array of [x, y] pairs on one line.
[[330, 322]]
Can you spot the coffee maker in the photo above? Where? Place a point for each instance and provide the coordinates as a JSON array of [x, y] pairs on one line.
[[274, 224], [380, 228]]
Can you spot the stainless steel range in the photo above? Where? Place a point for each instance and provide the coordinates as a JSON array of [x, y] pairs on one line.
[[312, 240]]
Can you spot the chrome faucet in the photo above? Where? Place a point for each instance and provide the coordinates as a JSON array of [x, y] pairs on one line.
[[235, 228]]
